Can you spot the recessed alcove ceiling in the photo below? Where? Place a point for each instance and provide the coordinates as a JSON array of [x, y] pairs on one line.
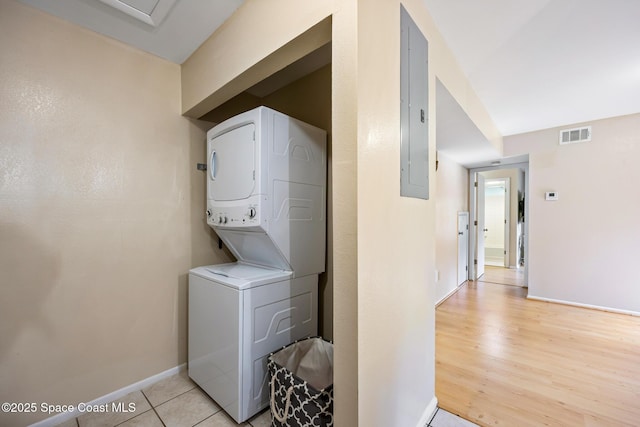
[[300, 68], [259, 93]]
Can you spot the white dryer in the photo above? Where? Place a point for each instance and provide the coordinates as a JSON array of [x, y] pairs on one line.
[[266, 199], [266, 190]]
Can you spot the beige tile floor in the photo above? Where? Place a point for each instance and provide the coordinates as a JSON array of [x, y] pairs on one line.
[[178, 402], [443, 418], [173, 402]]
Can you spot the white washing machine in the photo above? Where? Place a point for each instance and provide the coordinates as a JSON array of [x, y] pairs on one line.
[[238, 314]]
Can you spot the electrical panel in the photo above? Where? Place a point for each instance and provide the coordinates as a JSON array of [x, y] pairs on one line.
[[414, 117]]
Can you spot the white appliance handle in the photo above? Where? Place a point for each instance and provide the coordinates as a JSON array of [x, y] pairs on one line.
[[212, 163]]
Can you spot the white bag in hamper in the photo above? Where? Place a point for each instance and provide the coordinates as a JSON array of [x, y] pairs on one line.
[[302, 384]]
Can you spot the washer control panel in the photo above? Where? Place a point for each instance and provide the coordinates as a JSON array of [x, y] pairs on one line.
[[234, 216]]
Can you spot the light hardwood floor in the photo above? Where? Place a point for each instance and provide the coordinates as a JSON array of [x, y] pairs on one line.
[[505, 276], [503, 360]]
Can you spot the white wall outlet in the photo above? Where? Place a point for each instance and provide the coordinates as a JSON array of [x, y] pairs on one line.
[[551, 195]]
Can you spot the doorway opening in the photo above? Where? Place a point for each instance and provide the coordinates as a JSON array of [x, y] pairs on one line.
[[498, 238], [496, 222]]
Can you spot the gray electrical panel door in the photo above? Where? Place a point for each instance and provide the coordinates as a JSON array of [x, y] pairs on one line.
[[414, 118]]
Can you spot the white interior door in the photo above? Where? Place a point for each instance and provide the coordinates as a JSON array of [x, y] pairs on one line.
[[496, 237], [507, 220], [480, 226], [463, 247]]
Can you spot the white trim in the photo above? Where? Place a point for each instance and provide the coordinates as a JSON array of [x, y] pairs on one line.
[[110, 397], [507, 221], [473, 214], [577, 304], [154, 18], [447, 296], [464, 214], [428, 413]]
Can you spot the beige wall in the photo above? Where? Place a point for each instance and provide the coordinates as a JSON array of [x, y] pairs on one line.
[[344, 90], [514, 185], [396, 235], [583, 247], [452, 196], [100, 213]]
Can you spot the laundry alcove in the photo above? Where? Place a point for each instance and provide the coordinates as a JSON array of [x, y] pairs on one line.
[[301, 89]]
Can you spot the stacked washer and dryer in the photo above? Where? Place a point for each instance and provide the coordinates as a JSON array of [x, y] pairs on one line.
[[266, 199]]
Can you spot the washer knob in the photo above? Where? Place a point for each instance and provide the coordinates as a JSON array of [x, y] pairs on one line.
[[252, 213], [209, 213]]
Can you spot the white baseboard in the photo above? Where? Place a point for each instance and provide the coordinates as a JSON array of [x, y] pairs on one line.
[[444, 298], [577, 304], [428, 413], [65, 416]]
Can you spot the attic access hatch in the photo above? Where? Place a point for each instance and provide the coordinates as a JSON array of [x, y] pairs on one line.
[[151, 12]]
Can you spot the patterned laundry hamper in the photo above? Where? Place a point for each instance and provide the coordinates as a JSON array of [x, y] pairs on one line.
[[301, 384]]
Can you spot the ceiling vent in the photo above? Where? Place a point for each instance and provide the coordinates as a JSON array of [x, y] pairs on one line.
[[572, 136], [150, 12]]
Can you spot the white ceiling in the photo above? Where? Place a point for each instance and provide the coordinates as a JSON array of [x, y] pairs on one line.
[[534, 64], [537, 64], [458, 138], [175, 37]]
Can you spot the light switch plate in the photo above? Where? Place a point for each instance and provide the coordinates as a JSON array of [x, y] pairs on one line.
[[551, 195]]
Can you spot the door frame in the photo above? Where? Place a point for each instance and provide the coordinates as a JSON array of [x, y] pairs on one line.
[[479, 224], [473, 214], [465, 236]]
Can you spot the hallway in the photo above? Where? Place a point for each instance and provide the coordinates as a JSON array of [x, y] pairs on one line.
[[503, 276]]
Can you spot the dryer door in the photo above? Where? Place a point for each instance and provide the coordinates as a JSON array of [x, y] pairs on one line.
[[231, 164]]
